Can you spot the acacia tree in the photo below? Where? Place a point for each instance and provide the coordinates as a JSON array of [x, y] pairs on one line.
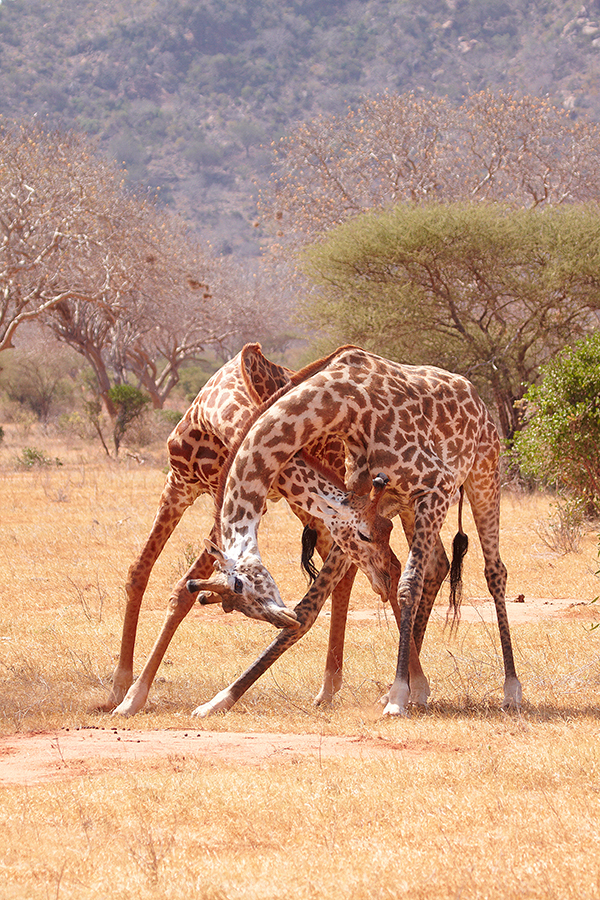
[[63, 226], [481, 289], [332, 168], [402, 147], [164, 316], [259, 298]]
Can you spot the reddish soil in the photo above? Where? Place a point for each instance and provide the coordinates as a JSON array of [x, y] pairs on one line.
[[35, 758]]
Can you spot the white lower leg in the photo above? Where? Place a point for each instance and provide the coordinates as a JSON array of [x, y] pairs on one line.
[[513, 693], [419, 690], [121, 683], [398, 698], [221, 702], [332, 683], [133, 701]]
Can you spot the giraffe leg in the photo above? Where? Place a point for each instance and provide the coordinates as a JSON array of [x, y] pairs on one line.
[[435, 573], [340, 599], [334, 568], [419, 685], [483, 492], [175, 499], [180, 604], [429, 516]]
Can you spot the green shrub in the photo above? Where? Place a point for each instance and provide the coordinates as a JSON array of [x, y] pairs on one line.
[[130, 404], [559, 442], [31, 456]]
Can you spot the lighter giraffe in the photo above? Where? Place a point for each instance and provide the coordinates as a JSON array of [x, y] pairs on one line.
[[197, 451], [432, 435]]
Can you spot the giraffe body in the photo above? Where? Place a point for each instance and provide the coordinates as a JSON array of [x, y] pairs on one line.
[[198, 448], [428, 430]]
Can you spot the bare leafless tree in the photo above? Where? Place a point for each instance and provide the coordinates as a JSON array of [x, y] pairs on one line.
[[111, 274], [403, 147]]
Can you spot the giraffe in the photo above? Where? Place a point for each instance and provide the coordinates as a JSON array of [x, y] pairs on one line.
[[197, 450], [427, 429]]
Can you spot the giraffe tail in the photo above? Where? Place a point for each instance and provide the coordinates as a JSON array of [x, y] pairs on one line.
[[309, 542], [460, 545]]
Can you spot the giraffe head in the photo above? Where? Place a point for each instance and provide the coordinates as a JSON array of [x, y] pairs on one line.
[[246, 585], [356, 526]]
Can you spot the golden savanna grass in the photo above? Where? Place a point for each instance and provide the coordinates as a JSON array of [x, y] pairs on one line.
[[480, 805]]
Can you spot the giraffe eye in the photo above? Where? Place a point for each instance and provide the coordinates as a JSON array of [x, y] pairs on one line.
[[238, 587], [365, 538]]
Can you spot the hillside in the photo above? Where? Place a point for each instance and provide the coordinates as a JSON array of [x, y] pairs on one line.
[[188, 94]]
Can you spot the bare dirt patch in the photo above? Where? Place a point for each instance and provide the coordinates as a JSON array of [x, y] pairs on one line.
[[521, 610], [36, 758]]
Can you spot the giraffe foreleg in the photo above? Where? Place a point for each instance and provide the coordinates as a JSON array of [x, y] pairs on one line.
[[430, 512], [334, 568], [408, 596], [180, 604], [174, 500], [419, 685]]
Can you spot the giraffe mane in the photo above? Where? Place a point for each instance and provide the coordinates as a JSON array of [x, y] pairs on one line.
[[318, 364], [297, 378]]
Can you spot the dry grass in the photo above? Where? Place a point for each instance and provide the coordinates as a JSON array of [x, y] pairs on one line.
[[481, 805]]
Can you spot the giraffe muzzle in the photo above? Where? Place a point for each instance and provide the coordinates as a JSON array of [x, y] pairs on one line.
[[282, 618]]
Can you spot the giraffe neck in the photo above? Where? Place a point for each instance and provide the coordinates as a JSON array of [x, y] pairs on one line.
[[301, 482], [267, 455]]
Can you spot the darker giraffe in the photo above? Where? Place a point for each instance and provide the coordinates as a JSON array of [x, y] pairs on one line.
[[432, 435]]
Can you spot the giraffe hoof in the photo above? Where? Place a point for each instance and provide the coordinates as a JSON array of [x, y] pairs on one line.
[[130, 705], [419, 691], [397, 701], [394, 709], [221, 702], [513, 695]]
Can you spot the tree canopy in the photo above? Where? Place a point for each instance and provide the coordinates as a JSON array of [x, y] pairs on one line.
[[482, 289], [111, 274]]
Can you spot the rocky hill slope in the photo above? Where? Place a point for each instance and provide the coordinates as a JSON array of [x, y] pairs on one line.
[[189, 94]]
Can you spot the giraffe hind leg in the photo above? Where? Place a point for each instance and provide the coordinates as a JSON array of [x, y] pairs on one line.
[[332, 678], [484, 496]]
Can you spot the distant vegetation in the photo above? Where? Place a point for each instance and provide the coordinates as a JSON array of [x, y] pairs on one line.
[[185, 93], [263, 122]]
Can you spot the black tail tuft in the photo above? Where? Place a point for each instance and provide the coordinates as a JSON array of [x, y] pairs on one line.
[[460, 545], [309, 542]]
